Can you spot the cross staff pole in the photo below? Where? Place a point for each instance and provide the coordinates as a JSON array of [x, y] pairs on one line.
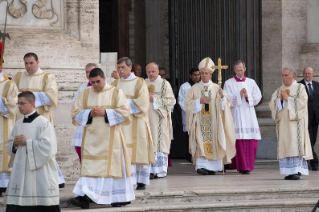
[[220, 67], [3, 36]]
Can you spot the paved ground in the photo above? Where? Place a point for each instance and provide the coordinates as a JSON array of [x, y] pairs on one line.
[[182, 177]]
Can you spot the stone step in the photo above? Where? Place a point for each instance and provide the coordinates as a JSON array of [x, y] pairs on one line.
[[212, 196], [275, 205]]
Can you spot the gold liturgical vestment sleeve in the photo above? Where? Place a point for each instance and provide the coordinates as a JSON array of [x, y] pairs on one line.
[[9, 92]]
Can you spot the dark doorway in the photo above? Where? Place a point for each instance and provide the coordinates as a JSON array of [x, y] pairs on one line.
[[114, 26]]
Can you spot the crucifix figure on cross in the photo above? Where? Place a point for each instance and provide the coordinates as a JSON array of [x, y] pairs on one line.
[[220, 67]]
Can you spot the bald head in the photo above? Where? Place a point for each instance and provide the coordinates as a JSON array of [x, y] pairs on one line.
[[152, 71], [308, 73]]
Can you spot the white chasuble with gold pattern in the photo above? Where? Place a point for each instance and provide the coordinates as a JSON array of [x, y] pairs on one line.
[[8, 112], [103, 145], [137, 134], [160, 114], [210, 127], [44, 86]]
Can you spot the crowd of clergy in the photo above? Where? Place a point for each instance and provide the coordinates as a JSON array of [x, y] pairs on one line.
[[124, 130]]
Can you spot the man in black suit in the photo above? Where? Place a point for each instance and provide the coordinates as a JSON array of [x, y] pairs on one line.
[[312, 88]]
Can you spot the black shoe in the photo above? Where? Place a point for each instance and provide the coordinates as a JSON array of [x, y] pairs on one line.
[[314, 168], [62, 185], [211, 172], [292, 177], [202, 171], [245, 172], [116, 204], [81, 202], [140, 186], [153, 176]]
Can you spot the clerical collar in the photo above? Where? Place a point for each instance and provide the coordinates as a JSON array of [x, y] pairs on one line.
[[191, 82], [30, 117], [206, 84], [158, 77], [33, 73], [240, 80], [132, 76]]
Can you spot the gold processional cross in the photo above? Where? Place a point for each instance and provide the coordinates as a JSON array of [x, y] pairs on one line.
[[220, 67]]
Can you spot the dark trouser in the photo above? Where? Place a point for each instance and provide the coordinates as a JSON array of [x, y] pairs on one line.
[[188, 156], [313, 130]]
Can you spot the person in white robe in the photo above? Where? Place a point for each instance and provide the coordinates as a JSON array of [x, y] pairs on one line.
[[289, 108], [244, 94], [32, 146], [194, 77], [210, 125], [105, 176], [8, 112], [162, 100], [78, 133], [44, 87], [137, 134]]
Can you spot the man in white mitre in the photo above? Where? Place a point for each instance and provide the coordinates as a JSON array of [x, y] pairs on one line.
[[289, 108], [105, 176], [210, 123], [162, 100], [244, 94], [8, 112], [45, 89], [137, 134], [32, 146], [78, 133]]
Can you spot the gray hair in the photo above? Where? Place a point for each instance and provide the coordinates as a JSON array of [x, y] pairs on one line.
[[291, 70], [156, 65], [127, 61], [239, 62], [91, 64]]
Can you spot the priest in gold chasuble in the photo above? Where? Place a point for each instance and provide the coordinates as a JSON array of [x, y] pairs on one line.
[[162, 100], [8, 112], [210, 124], [137, 134], [106, 165], [43, 85], [289, 108]]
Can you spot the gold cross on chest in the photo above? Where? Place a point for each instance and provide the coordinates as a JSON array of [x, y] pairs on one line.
[[220, 67], [15, 189]]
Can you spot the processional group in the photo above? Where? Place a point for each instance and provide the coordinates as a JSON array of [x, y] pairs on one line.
[[124, 130]]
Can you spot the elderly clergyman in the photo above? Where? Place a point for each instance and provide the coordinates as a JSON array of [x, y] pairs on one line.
[[289, 109]]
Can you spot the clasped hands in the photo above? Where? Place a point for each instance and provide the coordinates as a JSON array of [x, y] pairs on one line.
[[206, 100], [19, 140], [243, 92], [97, 112], [283, 95]]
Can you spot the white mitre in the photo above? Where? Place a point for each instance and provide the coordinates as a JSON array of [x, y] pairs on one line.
[[206, 64]]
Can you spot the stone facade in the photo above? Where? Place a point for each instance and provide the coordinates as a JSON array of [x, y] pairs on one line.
[[63, 50]]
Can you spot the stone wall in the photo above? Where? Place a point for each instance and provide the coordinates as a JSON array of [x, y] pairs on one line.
[[63, 50]]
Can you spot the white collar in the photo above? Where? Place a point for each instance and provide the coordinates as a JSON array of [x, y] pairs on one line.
[[33, 73], [158, 77], [206, 84], [27, 116], [132, 76]]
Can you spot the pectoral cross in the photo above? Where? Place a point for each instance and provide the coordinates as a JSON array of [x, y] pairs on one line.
[[220, 67]]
